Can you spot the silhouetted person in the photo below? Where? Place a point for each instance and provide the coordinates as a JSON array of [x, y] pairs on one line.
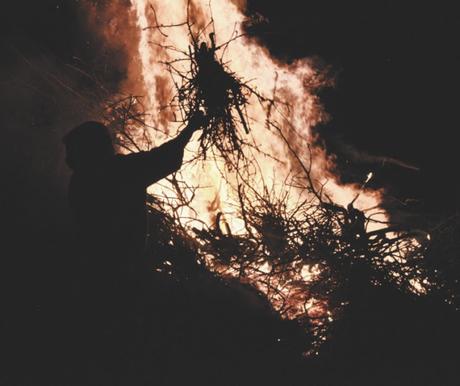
[[107, 195], [107, 191]]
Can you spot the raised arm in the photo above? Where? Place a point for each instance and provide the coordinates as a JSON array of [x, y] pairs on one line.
[[151, 166]]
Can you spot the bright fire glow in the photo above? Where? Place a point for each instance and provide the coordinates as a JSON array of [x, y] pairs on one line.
[[252, 63]]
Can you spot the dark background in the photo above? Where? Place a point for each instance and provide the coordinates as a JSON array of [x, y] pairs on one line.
[[396, 96], [397, 83]]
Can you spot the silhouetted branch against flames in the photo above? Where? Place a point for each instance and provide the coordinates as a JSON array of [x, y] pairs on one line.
[[125, 115], [208, 84], [303, 257]]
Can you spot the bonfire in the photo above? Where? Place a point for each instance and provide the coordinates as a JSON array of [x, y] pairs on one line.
[[301, 257]]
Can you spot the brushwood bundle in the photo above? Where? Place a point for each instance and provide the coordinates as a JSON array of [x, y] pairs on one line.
[[210, 86], [203, 81]]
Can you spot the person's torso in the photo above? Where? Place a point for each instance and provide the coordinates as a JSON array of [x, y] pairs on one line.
[[109, 208]]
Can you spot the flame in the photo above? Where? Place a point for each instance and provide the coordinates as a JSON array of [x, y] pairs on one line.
[[216, 196], [251, 62], [369, 177]]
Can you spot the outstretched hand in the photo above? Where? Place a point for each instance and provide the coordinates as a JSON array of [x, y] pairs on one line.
[[197, 120]]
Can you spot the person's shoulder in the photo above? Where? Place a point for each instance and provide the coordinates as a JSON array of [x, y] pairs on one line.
[[128, 158], [130, 164]]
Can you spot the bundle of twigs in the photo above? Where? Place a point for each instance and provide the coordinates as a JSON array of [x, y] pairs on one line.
[[210, 86], [203, 81]]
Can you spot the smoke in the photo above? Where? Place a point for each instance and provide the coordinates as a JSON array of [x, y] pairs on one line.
[[241, 4], [358, 156], [112, 25]]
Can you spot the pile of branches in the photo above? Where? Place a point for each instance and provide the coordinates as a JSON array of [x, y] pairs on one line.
[[303, 258], [175, 251], [308, 258]]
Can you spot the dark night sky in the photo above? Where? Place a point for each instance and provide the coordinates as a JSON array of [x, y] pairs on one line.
[[398, 81]]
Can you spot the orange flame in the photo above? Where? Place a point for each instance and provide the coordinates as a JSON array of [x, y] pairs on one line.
[[250, 61], [149, 49]]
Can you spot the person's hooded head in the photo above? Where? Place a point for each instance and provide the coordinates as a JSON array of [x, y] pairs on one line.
[[87, 145]]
